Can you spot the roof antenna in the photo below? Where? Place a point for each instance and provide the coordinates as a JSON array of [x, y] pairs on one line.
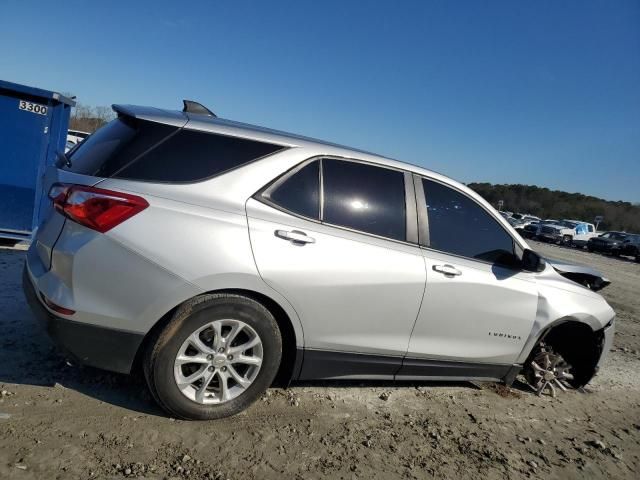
[[194, 107]]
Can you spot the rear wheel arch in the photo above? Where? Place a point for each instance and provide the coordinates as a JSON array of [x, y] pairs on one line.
[[291, 361]]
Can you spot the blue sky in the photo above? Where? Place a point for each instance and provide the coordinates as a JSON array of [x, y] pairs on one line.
[[544, 92]]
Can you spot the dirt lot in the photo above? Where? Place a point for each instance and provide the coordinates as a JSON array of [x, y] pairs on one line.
[[65, 422]]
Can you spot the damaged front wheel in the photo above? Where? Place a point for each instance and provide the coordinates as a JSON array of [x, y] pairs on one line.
[[548, 370]]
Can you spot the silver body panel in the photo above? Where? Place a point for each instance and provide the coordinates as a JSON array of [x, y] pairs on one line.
[[347, 292], [485, 314], [353, 292]]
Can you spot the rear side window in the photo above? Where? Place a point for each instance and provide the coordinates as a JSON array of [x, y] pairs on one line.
[[134, 149], [191, 155], [300, 192], [116, 144], [364, 197], [460, 226]]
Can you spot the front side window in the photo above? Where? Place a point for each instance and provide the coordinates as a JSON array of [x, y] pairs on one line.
[[364, 197], [458, 225], [300, 192]]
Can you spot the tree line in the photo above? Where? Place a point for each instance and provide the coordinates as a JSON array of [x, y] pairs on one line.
[[89, 119], [545, 203]]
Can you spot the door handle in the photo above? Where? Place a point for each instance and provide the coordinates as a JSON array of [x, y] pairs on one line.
[[448, 270], [295, 236]]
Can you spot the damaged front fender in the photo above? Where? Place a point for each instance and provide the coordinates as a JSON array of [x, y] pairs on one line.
[[586, 276]]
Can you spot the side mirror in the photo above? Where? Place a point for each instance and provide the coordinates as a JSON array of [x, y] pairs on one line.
[[532, 262]]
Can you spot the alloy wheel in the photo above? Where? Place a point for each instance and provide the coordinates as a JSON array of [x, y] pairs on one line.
[[218, 361], [548, 370]]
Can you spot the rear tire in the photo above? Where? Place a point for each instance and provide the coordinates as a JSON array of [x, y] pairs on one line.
[[210, 319], [567, 240]]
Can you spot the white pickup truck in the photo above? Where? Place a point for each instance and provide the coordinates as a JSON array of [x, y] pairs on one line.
[[567, 232]]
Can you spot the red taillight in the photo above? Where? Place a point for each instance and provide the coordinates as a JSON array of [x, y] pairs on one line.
[[95, 208]]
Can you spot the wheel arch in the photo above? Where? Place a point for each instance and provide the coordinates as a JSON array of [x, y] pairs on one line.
[[292, 351], [578, 338]]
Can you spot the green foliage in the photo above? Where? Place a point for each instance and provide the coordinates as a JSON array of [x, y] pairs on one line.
[[546, 203]]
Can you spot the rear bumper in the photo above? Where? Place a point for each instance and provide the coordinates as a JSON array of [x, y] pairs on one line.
[[100, 347]]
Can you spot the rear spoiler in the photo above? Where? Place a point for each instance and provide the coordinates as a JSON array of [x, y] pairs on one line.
[[171, 117], [151, 114]]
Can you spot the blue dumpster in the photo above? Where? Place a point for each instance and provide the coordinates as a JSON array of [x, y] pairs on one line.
[[33, 128]]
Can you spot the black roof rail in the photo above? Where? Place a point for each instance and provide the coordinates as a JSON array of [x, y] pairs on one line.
[[194, 107]]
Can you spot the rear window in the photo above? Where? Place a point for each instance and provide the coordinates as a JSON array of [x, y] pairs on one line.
[[116, 144], [134, 149]]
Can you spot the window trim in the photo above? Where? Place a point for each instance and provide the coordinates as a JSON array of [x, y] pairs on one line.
[[423, 222], [411, 217]]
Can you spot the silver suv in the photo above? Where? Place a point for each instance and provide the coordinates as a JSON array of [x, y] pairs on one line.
[[221, 257]]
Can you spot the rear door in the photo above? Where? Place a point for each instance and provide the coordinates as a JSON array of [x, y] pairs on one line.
[[479, 306], [334, 238]]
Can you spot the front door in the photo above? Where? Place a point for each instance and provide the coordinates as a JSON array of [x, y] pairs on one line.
[[479, 306], [337, 250]]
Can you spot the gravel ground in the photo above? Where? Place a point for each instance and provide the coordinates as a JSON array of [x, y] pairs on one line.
[[58, 421]]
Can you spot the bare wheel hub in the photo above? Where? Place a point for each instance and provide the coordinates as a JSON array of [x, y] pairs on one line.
[[218, 361], [547, 371]]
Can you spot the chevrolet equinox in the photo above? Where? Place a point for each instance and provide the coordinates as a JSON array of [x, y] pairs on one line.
[[220, 257]]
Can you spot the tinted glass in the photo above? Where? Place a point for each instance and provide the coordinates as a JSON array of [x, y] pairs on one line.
[[300, 193], [364, 197], [191, 155], [116, 144], [460, 226]]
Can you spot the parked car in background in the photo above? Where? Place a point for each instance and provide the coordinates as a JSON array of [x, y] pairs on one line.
[[514, 222], [74, 137], [525, 217], [531, 230], [631, 246], [608, 242], [567, 232], [201, 249], [520, 229]]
